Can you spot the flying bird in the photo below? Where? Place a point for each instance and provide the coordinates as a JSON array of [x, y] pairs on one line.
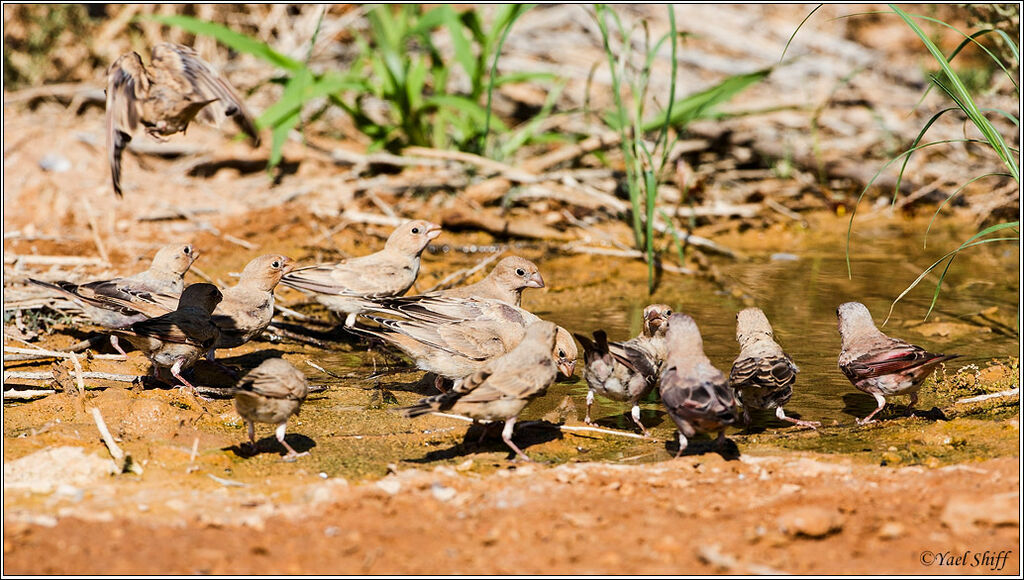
[[165, 97]]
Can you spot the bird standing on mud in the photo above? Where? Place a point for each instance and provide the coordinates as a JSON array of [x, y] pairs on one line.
[[165, 275], [626, 371], [165, 97], [455, 337], [763, 374], [697, 395], [878, 364], [271, 393], [503, 387], [178, 339]]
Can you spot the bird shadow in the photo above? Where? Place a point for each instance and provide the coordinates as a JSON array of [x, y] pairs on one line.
[[213, 375], [269, 444], [860, 405], [729, 451], [243, 166], [763, 420], [486, 438]]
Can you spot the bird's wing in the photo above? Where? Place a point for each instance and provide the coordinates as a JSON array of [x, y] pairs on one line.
[[773, 372], [181, 327], [271, 384], [345, 278], [898, 356], [127, 83], [209, 86]]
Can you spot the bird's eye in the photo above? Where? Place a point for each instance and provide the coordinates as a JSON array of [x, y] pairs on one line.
[[668, 312], [415, 230], [561, 353], [187, 250], [275, 264], [520, 272]]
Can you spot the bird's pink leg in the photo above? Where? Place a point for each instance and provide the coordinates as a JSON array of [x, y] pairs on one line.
[[506, 435], [252, 436], [292, 454], [913, 403], [881, 403], [117, 346], [782, 415], [720, 442]]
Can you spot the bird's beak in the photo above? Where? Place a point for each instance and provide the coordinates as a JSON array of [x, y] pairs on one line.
[[567, 368], [289, 265], [535, 281], [433, 230], [655, 320]]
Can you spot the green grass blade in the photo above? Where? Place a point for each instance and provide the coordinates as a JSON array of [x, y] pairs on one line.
[[917, 140], [863, 192], [799, 26], [950, 256], [960, 93], [699, 104], [507, 20], [954, 194]]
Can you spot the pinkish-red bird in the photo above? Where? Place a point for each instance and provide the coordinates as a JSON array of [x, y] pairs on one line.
[[878, 364]]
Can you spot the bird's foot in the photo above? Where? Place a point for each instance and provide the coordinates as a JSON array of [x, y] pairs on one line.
[[292, 456]]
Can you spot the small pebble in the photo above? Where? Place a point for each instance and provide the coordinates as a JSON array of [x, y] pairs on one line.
[[784, 257], [390, 486], [441, 492], [55, 163]]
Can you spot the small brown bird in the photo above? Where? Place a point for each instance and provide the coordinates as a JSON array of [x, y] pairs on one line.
[[165, 275], [455, 337], [178, 339], [506, 282], [271, 393], [164, 98], [878, 364], [502, 388], [344, 286], [762, 375], [626, 371], [696, 394], [247, 308]]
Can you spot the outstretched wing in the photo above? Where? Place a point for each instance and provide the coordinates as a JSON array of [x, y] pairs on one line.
[[127, 83], [209, 86]]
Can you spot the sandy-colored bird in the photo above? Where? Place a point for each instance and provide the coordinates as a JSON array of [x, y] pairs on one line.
[[505, 282], [165, 97], [504, 386], [763, 374], [455, 337], [271, 393], [165, 275], [343, 286], [626, 371], [246, 310], [880, 365]]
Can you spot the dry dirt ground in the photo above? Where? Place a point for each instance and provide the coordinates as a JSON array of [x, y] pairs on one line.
[[694, 515]]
